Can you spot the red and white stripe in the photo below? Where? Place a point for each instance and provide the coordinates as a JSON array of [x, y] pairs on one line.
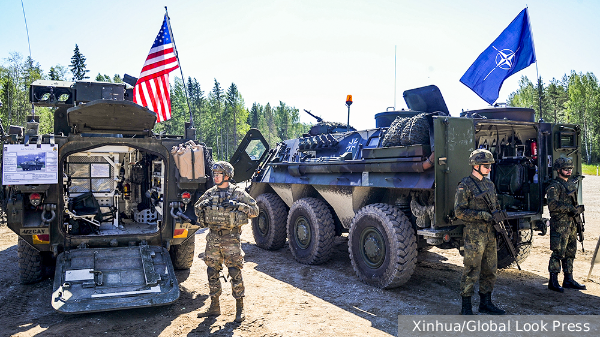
[[152, 87], [154, 94]]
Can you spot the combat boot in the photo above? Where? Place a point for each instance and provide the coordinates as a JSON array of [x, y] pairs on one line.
[[569, 282], [487, 307], [239, 310], [214, 309], [553, 283], [467, 307]]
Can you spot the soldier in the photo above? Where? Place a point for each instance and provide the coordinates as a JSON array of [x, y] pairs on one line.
[[480, 258], [562, 204], [224, 208]]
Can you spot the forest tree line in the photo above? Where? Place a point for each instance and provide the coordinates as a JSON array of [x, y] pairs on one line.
[[574, 99], [222, 118]]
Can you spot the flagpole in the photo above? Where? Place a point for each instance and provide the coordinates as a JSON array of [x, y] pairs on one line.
[[537, 73], [179, 62]]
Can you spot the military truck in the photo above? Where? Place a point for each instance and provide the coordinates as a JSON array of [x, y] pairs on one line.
[[392, 188], [109, 214]]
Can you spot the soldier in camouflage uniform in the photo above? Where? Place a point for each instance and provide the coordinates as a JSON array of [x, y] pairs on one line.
[[480, 259], [224, 208], [562, 204]]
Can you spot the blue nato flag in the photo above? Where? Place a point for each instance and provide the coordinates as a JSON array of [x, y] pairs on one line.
[[511, 52]]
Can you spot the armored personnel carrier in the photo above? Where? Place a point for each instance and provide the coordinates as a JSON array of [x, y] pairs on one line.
[[392, 188], [108, 214], [29, 165]]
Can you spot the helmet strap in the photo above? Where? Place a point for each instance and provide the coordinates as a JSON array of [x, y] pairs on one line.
[[224, 181], [479, 171]]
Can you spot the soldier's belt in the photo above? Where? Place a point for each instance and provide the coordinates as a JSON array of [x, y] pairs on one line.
[[223, 231], [559, 214]]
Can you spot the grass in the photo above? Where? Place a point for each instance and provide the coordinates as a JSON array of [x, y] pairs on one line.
[[590, 169]]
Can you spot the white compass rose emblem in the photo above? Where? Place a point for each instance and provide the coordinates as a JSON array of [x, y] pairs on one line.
[[352, 145], [504, 60]]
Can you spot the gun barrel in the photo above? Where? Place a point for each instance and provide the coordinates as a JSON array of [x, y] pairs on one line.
[[319, 119]]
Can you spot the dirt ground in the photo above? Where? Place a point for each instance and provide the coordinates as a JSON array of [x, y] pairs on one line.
[[284, 298]]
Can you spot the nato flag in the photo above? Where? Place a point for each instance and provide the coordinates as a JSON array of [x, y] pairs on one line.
[[511, 52]]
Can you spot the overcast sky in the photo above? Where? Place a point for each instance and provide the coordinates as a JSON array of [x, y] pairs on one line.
[[311, 53]]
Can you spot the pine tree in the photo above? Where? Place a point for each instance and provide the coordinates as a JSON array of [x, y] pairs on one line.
[[217, 94], [253, 117], [230, 116], [78, 66], [103, 78]]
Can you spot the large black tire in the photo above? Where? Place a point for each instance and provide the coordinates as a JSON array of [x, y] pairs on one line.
[[523, 247], [31, 268], [382, 246], [310, 230], [182, 255], [269, 227]]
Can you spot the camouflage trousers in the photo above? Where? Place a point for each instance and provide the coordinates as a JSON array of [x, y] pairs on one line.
[[563, 243], [224, 249], [480, 259]]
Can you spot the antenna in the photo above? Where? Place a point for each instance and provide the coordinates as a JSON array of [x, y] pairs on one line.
[[26, 29], [29, 45], [395, 47]]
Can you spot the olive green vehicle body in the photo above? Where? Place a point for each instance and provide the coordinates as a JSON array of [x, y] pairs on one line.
[[359, 180], [127, 259]]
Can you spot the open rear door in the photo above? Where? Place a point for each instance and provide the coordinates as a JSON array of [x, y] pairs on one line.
[[102, 279], [249, 154]]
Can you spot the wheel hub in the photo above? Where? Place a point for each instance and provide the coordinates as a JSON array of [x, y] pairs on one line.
[[373, 247], [302, 229], [263, 223]]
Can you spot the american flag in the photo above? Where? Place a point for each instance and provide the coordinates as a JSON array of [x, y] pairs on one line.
[[152, 87]]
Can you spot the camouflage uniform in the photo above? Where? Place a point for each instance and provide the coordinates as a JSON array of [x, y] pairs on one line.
[[480, 254], [223, 241], [563, 232], [562, 204]]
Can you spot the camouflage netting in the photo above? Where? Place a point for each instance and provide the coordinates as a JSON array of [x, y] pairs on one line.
[[328, 127], [407, 131]]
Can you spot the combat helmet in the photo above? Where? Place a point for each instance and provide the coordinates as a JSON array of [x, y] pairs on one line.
[[481, 157], [562, 163], [224, 167]]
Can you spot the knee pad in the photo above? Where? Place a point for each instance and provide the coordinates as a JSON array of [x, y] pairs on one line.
[[235, 273], [213, 274]]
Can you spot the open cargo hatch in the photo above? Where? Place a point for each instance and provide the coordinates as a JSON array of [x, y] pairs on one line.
[[106, 116], [102, 279], [249, 154]]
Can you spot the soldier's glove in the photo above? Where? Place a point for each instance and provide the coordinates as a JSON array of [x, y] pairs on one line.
[[238, 205], [499, 215], [487, 217], [580, 209], [542, 226], [203, 204]]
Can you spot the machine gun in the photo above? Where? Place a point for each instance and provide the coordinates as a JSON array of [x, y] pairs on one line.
[[319, 119], [499, 216], [579, 219]]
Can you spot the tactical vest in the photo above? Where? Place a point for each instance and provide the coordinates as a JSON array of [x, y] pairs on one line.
[[216, 216]]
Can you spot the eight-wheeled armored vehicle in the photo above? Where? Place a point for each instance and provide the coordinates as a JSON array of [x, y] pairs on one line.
[[110, 211], [392, 188], [29, 165]]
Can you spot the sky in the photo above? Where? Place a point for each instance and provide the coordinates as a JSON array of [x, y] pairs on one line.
[[309, 54]]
